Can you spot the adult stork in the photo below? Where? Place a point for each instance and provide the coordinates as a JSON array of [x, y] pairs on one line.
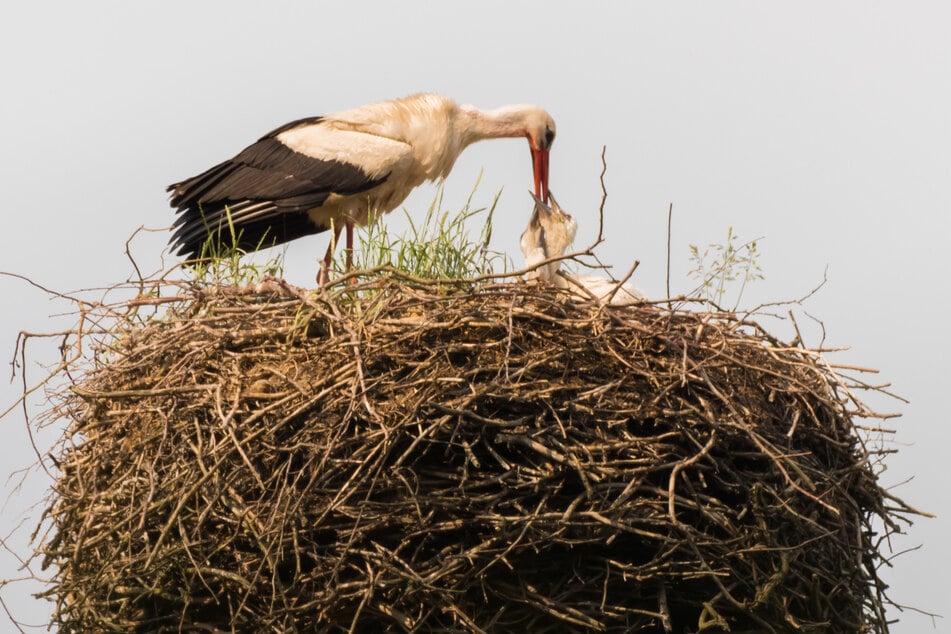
[[341, 169], [549, 233]]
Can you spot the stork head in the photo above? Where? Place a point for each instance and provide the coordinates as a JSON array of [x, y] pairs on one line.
[[522, 120], [540, 130], [549, 233]]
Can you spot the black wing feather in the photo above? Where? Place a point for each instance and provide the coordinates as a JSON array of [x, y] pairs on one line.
[[262, 195]]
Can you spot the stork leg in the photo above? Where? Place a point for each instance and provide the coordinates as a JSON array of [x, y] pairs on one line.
[[323, 276], [350, 249], [349, 245]]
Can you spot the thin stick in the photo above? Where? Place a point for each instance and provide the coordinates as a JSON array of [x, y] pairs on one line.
[[604, 195], [670, 213]]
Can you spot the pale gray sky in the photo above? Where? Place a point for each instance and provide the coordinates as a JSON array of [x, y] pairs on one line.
[[822, 126]]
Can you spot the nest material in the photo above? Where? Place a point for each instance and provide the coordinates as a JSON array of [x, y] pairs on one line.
[[500, 460]]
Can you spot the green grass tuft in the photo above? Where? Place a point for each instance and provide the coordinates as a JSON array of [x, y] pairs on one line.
[[437, 247]]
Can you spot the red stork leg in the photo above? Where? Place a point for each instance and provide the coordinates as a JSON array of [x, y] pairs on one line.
[[349, 245]]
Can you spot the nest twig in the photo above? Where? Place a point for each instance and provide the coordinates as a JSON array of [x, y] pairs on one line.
[[488, 461]]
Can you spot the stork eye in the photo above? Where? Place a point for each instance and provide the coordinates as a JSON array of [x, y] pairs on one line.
[[549, 136]]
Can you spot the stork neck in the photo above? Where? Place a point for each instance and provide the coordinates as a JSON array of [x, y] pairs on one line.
[[476, 124]]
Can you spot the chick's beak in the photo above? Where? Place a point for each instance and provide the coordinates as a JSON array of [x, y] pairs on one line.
[[540, 209], [548, 208]]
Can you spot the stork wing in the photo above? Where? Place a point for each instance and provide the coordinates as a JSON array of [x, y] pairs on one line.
[[266, 191]]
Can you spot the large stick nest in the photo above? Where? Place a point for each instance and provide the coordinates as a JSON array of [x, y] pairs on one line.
[[495, 460]]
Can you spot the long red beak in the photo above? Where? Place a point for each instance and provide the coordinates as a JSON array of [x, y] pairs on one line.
[[540, 167]]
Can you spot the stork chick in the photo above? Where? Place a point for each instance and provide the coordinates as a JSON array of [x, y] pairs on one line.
[[549, 233]]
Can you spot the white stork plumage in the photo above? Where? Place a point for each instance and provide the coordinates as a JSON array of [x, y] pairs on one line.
[[549, 233], [342, 169]]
